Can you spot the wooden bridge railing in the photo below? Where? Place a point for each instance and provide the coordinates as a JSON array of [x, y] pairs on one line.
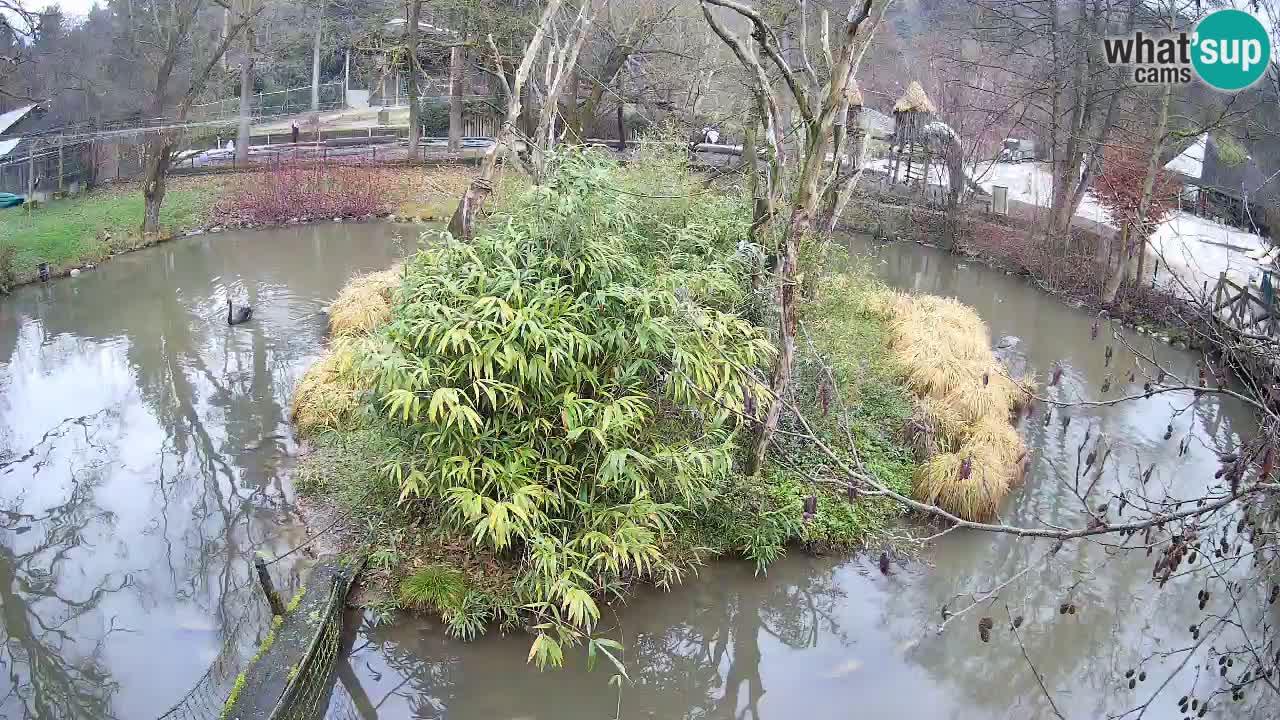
[[1247, 309]]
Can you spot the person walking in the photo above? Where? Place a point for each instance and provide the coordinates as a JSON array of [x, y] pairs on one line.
[[293, 131]]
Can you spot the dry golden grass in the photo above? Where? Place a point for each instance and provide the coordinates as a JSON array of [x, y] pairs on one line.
[[364, 303], [966, 401], [939, 481], [325, 396]]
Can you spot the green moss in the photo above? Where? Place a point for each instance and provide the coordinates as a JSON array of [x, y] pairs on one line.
[[296, 600], [263, 647], [1230, 152], [236, 689]]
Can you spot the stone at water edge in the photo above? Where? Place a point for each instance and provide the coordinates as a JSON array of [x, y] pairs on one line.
[[74, 272]]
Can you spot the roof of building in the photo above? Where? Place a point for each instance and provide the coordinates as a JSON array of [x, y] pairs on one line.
[[1190, 162], [914, 100], [854, 93], [1256, 175], [7, 145], [11, 118], [875, 122]]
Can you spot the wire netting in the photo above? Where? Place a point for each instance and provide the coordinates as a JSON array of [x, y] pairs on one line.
[[311, 684], [207, 697]]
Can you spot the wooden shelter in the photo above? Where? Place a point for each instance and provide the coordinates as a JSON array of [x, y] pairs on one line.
[[911, 112]]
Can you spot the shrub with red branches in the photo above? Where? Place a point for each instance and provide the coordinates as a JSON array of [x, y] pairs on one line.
[[1119, 187], [307, 189]]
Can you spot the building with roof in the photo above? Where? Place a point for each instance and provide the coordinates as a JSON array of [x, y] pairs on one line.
[[34, 159], [1227, 181]]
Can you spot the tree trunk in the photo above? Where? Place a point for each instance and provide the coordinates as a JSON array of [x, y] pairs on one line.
[[805, 203], [315, 60], [455, 98], [246, 99], [1140, 230], [787, 321], [411, 47], [622, 128], [858, 153], [158, 150], [462, 225], [1116, 272], [749, 153]]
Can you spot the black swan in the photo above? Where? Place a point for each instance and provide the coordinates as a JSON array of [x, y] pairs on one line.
[[236, 316]]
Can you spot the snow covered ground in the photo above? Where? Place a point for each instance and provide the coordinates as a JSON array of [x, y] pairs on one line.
[[1195, 249], [1199, 250]]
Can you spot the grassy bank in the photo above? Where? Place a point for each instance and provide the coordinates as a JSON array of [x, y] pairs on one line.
[[74, 231], [87, 228], [525, 425]]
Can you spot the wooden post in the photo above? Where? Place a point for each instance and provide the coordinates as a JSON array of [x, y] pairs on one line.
[[60, 181], [31, 177], [264, 579], [1217, 291]]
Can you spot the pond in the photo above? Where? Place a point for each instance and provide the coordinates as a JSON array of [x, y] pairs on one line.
[[144, 454], [144, 449]]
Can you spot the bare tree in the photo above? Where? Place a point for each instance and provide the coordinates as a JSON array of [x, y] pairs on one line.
[[17, 30], [160, 35], [315, 57], [471, 204], [247, 62], [819, 103], [411, 46]]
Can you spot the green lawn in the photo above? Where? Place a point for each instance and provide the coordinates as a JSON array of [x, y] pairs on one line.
[[73, 231]]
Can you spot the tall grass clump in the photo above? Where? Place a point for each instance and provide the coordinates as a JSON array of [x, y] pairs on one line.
[[943, 351], [364, 303], [566, 381]]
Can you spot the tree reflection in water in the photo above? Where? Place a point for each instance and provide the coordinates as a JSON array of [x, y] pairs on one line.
[[694, 652], [45, 678]]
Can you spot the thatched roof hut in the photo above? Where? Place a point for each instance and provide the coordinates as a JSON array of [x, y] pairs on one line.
[[854, 94], [914, 100], [911, 112]]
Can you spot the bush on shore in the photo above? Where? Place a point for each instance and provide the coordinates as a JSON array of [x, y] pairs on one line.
[[289, 189]]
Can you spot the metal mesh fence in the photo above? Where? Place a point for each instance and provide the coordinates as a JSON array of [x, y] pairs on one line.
[[311, 684], [273, 104], [207, 697]]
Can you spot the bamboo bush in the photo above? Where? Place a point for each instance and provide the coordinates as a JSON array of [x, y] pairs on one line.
[[568, 381]]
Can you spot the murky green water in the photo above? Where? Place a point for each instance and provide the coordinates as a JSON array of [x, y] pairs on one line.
[[143, 453], [143, 450]]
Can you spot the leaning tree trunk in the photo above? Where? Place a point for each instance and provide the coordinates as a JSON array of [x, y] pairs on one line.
[[1140, 231], [806, 201], [1116, 272], [462, 225]]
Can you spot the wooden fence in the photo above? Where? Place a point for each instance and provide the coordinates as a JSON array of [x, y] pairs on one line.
[[1248, 309]]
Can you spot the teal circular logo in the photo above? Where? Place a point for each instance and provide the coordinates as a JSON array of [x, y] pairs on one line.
[[1231, 49]]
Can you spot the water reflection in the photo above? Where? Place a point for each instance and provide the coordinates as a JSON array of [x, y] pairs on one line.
[[834, 638], [142, 450]]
